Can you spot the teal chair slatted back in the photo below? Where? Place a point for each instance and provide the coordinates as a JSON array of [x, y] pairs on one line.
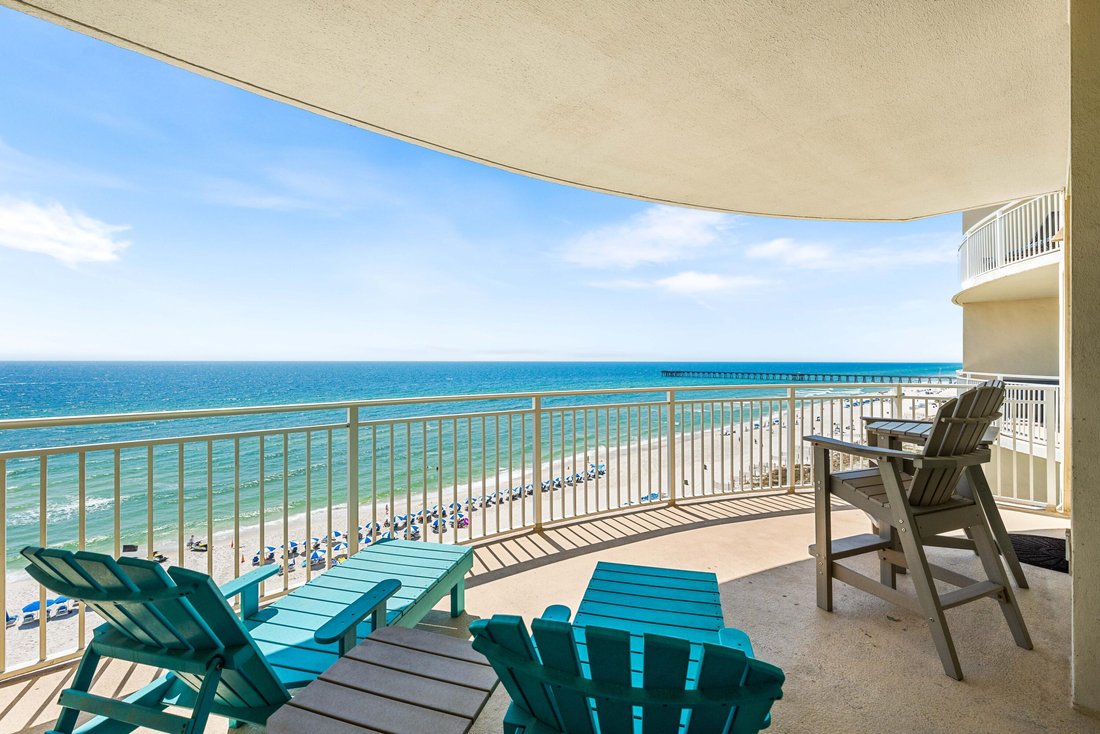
[[585, 680], [170, 619]]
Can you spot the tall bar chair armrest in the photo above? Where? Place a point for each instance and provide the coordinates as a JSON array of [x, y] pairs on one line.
[[861, 450]]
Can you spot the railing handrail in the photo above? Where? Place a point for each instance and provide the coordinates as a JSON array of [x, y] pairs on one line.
[[1021, 230], [1046, 380], [442, 477], [8, 424], [992, 216]]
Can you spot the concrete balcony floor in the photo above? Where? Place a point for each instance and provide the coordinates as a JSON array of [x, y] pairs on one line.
[[868, 666]]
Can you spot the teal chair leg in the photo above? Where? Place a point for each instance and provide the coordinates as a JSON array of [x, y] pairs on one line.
[[82, 681], [516, 721], [458, 598], [151, 695], [204, 701]]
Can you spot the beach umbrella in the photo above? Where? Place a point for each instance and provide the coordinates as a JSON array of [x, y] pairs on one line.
[[268, 554], [340, 548], [400, 521], [31, 610], [316, 542]]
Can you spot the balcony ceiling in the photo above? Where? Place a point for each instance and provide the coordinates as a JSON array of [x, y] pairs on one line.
[[840, 109]]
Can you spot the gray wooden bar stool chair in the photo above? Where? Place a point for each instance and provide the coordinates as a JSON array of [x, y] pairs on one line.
[[913, 496], [893, 433]]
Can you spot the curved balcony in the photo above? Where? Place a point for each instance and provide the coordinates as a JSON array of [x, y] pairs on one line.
[[880, 656], [1014, 252], [304, 486]]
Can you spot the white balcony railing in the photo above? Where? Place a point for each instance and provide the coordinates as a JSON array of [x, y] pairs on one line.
[[1030, 440], [1016, 232], [221, 489]]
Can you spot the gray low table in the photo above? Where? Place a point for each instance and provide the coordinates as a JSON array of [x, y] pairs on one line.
[[397, 680], [891, 433]]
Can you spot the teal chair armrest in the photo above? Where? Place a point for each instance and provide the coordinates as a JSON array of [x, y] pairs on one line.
[[557, 613], [341, 628], [735, 638], [248, 587]]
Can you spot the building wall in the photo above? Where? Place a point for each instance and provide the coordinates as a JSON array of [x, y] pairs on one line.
[[1011, 337]]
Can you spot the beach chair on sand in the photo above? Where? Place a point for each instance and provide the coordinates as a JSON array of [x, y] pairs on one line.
[[568, 680], [179, 620], [913, 499]]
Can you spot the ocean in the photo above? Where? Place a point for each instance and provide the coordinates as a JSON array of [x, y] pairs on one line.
[[30, 389]]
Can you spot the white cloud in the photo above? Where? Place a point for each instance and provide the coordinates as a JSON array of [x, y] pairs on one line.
[[246, 196], [18, 170], [912, 250], [68, 236], [794, 254], [693, 283], [309, 181], [621, 284], [687, 283], [659, 234]]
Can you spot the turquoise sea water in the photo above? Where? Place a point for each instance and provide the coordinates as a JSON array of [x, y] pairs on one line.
[[74, 388]]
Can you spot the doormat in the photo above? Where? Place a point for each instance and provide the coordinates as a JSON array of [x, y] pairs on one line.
[[1041, 551]]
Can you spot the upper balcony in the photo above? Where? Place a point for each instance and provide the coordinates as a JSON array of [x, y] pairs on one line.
[[1014, 252]]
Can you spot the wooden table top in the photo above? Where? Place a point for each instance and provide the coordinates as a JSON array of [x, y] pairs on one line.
[[911, 431], [397, 680]]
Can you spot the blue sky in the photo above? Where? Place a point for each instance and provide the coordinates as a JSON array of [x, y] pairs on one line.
[[149, 213]]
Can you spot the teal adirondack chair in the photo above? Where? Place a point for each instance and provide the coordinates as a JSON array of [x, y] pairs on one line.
[[179, 620], [572, 680]]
